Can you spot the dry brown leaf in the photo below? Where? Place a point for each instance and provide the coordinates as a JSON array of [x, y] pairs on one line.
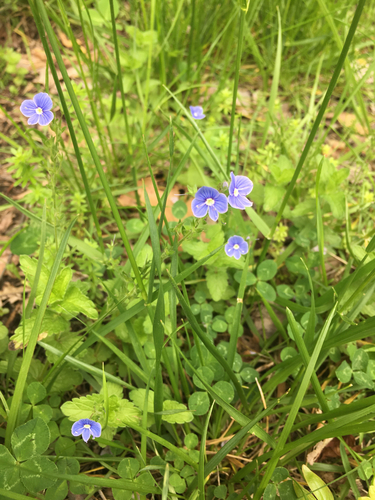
[[6, 219], [128, 200], [330, 448], [65, 40], [313, 456]]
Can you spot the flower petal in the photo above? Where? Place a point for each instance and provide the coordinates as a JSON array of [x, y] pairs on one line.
[[232, 183], [229, 249], [235, 240], [77, 428], [197, 112], [213, 213], [86, 434], [45, 118], [43, 100], [244, 185], [244, 247], [199, 208], [96, 429], [221, 203], [237, 254], [206, 192], [240, 202], [28, 108], [33, 120]]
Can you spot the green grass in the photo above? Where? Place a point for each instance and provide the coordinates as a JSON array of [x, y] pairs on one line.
[[211, 377]]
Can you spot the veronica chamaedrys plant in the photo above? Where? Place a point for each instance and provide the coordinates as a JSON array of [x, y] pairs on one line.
[[197, 112], [209, 199], [87, 428], [37, 109], [236, 247], [239, 188]]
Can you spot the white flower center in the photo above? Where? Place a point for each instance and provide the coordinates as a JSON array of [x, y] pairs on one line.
[[87, 426], [236, 247], [235, 192], [39, 111], [210, 202]]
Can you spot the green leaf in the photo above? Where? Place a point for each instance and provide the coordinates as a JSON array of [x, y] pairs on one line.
[[282, 171], [76, 302], [336, 201], [52, 324], [217, 282], [45, 412], [270, 492], [250, 278], [199, 296], [65, 446], [316, 484], [206, 373], [105, 10], [179, 209], [32, 477], [267, 270], [302, 493], [83, 407], [279, 474], [128, 468], [26, 242], [177, 482], [177, 418], [220, 491], [344, 372], [364, 380], [267, 291], [225, 390], [273, 196], [36, 392], [199, 403], [360, 360], [249, 375], [134, 226], [219, 325], [191, 441], [30, 439], [127, 413]]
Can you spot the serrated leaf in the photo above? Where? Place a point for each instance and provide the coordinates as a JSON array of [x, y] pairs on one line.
[[282, 171], [75, 302], [217, 282], [52, 324], [127, 413], [177, 418], [83, 407], [30, 439]]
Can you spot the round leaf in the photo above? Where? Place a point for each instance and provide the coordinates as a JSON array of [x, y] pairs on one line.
[[199, 297], [267, 270], [279, 474], [344, 372], [36, 392], [191, 441], [225, 390], [206, 374], [250, 278], [199, 403], [179, 209], [45, 412], [249, 375], [285, 292], [195, 309], [220, 491], [267, 291], [25, 243], [128, 468], [270, 492], [30, 439], [219, 325], [31, 477], [65, 446]]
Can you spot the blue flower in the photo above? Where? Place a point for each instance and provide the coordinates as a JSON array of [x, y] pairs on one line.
[[209, 199], [197, 112], [86, 427], [38, 109], [236, 247], [239, 187]]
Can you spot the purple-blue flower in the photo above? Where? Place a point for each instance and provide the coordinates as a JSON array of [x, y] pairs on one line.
[[239, 187], [236, 247], [197, 112], [86, 427], [209, 199], [38, 109]]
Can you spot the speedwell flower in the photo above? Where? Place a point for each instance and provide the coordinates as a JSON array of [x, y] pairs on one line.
[[209, 199], [197, 112], [86, 427], [38, 109], [236, 247], [239, 187]]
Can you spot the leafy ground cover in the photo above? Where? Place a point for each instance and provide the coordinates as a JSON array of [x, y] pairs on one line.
[[187, 294]]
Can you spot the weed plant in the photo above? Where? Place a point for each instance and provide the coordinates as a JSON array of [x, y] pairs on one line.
[[197, 251]]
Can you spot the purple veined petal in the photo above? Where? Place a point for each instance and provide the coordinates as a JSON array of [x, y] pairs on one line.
[[199, 208], [213, 213], [232, 184], [229, 249], [45, 118], [240, 202], [197, 112], [96, 429], [206, 192], [221, 203], [244, 185], [236, 254], [33, 120], [235, 240], [28, 108], [77, 428], [43, 100], [86, 434]]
